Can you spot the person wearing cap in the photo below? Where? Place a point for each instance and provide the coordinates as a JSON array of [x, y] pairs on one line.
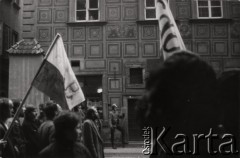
[[114, 117]]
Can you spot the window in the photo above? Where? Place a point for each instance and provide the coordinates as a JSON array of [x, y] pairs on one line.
[[209, 9], [14, 37], [87, 10], [150, 9], [136, 75]]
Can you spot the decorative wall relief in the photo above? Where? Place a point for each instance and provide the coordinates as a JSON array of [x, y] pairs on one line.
[[60, 15], [130, 12], [219, 31], [202, 47], [149, 49], [185, 30], [220, 48], [122, 31], [113, 49], [202, 31], [235, 30], [61, 2], [44, 33], [183, 10], [44, 2], [78, 34], [62, 31], [95, 33], [235, 47], [113, 13], [44, 15], [149, 32]]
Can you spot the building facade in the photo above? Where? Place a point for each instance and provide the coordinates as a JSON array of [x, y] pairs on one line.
[[10, 31], [113, 44]]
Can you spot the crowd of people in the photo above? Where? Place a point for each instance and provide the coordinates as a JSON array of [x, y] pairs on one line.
[[183, 95], [51, 132]]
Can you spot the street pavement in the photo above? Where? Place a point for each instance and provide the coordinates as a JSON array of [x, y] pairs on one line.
[[127, 152]]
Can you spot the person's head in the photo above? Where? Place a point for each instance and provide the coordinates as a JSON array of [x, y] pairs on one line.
[[16, 104], [92, 113], [6, 109], [181, 88], [67, 127], [50, 110], [114, 106], [30, 112], [41, 107], [77, 108]]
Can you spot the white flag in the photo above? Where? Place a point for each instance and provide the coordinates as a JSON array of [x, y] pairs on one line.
[[57, 79], [170, 38]]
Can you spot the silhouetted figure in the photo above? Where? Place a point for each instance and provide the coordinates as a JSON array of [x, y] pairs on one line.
[[30, 129], [46, 129], [16, 135], [91, 136], [67, 129], [6, 109], [181, 97], [41, 116], [229, 101]]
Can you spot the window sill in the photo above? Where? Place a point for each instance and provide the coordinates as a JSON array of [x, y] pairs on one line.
[[87, 23], [147, 22], [222, 20]]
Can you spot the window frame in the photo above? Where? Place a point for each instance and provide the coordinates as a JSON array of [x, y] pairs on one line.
[[87, 12], [155, 7], [128, 66], [210, 10]]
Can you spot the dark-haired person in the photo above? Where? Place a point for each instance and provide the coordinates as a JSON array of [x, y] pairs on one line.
[[46, 129], [91, 136], [30, 130], [180, 98], [41, 116], [6, 108], [67, 130], [16, 135]]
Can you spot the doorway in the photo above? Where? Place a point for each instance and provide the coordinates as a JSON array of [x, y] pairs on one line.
[[92, 89], [134, 131]]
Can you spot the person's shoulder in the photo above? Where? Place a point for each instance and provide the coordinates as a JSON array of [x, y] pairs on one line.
[[47, 151], [87, 121], [111, 112], [81, 150]]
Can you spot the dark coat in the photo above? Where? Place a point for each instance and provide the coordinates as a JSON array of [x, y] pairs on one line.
[[92, 139], [8, 151], [64, 151], [46, 133], [30, 131]]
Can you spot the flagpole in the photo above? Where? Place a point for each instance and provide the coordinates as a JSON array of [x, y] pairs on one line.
[[29, 89]]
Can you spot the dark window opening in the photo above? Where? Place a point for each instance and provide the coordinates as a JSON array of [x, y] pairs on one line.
[[75, 63], [136, 75]]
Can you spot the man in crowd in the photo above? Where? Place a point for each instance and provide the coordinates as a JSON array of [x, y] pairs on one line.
[[91, 137]]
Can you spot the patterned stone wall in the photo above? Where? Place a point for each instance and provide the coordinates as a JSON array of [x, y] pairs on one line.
[[123, 40]]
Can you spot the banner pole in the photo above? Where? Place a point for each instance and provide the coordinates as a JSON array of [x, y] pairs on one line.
[[29, 90]]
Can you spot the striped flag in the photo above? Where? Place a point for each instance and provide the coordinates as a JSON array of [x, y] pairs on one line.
[[56, 78], [170, 38]]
